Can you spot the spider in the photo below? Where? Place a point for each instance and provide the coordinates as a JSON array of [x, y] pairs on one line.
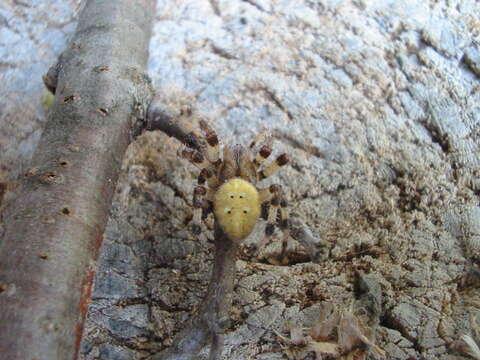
[[227, 187]]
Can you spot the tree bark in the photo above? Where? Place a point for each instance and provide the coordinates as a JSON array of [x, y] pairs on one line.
[[54, 228]]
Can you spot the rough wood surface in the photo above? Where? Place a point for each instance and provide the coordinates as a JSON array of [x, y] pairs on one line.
[[377, 104], [54, 226]]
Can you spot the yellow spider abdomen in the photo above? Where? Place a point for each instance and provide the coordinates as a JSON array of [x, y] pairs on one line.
[[237, 208]]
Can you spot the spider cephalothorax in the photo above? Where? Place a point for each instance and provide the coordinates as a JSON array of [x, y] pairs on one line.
[[227, 186]]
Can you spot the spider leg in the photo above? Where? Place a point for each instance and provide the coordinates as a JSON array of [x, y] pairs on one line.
[[272, 215], [207, 159], [196, 158], [201, 204], [202, 201], [207, 172], [198, 194], [207, 210], [267, 194], [275, 211], [264, 152], [270, 205], [213, 149], [284, 224], [280, 161], [206, 175]]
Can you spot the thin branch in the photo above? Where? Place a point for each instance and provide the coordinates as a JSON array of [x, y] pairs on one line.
[[217, 346], [54, 227], [158, 119], [212, 315]]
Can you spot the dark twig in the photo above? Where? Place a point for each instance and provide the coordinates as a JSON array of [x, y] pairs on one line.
[[54, 227], [212, 316], [158, 119], [217, 346]]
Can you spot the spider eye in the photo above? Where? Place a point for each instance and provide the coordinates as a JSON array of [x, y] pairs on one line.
[[246, 210], [228, 210], [242, 195], [231, 195]]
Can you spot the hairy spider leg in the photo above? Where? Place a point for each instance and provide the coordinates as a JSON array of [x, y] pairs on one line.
[[202, 197], [284, 223], [196, 158], [267, 194], [212, 152], [207, 168], [206, 175], [280, 161], [207, 160], [275, 211], [272, 215], [264, 151], [198, 194], [213, 149], [269, 211]]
